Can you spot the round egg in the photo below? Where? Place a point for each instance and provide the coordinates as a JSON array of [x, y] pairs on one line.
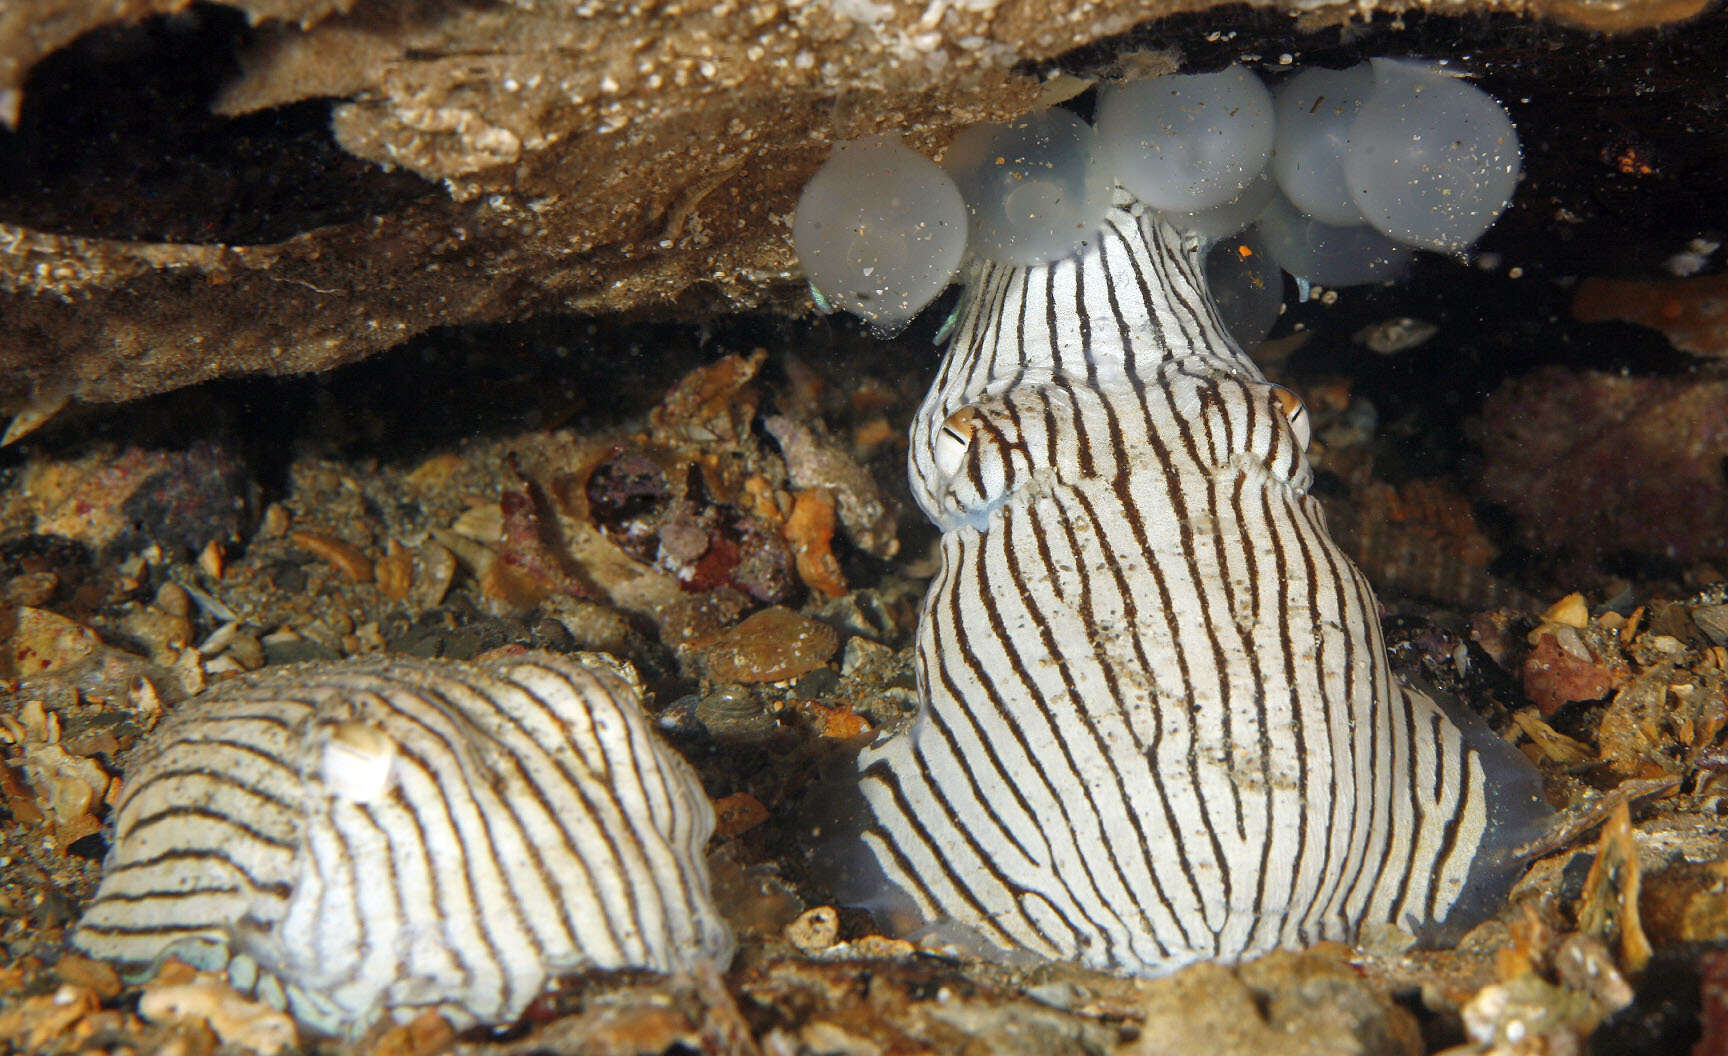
[[1329, 254], [1315, 110], [1033, 188], [1187, 142], [1247, 288], [880, 231], [1222, 221], [1432, 160]]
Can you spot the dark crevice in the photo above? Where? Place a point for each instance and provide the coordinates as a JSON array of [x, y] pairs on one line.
[[116, 139], [1624, 157]]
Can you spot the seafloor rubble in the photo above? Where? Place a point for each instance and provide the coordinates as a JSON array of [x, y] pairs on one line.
[[1533, 481], [727, 510]]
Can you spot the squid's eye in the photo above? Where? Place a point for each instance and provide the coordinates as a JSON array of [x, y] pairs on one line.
[[953, 439], [1291, 405]]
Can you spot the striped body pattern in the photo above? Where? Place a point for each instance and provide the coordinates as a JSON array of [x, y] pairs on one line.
[[391, 835], [1159, 723]]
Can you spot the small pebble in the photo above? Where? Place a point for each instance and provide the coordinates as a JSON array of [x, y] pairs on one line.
[[32, 589], [1569, 611], [274, 523], [173, 600], [247, 651], [737, 813], [236, 1020], [395, 573], [345, 557], [164, 633], [211, 559], [95, 976], [1713, 621], [861, 653], [434, 571], [482, 524], [771, 646], [814, 930]]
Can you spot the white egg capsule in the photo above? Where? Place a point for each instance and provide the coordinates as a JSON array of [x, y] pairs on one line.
[[1222, 221], [1432, 160], [880, 231], [1033, 188], [1315, 110], [1330, 254], [1187, 142]]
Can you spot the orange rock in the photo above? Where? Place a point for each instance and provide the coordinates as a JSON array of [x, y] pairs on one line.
[[1691, 313], [212, 559], [435, 472], [771, 646], [873, 434], [95, 976], [19, 802], [711, 403], [763, 501], [810, 530], [737, 813], [833, 722], [343, 556], [1554, 677], [236, 1020], [1569, 611], [68, 791], [12, 977], [1552, 743], [395, 573], [175, 971], [47, 1017], [425, 1035], [1610, 905]]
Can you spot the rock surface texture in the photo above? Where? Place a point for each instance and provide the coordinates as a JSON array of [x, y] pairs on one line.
[[539, 157]]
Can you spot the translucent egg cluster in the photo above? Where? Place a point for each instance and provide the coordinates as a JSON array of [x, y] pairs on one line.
[[1341, 174], [880, 230], [1034, 189], [1188, 143]]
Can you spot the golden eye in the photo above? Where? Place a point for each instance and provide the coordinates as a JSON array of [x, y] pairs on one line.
[[1294, 411], [952, 440]]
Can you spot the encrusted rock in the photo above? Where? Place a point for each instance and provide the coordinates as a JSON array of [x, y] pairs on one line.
[[1602, 463], [1288, 1004], [544, 158], [1284, 1003], [771, 646]]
